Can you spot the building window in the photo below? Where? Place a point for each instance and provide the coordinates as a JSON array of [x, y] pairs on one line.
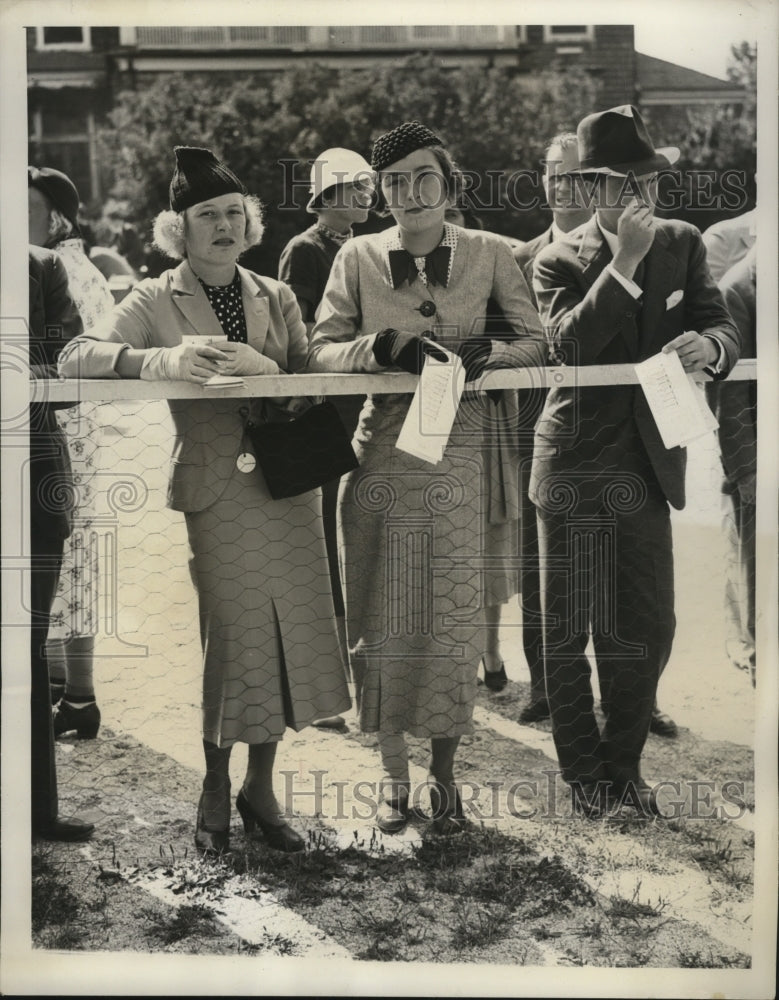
[[63, 37], [569, 32]]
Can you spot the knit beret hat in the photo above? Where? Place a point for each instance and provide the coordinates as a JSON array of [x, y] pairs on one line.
[[400, 142], [58, 188], [198, 176]]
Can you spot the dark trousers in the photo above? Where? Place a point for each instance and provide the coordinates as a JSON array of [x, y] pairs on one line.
[[46, 560], [608, 573], [530, 584]]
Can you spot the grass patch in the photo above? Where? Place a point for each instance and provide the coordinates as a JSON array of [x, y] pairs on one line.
[[186, 921]]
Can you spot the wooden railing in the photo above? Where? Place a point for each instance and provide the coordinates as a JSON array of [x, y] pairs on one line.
[[332, 384]]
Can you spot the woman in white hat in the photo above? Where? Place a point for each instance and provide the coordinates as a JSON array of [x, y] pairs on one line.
[[414, 534], [270, 651], [341, 193]]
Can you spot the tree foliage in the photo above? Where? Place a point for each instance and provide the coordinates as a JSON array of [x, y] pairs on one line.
[[268, 128], [722, 140]]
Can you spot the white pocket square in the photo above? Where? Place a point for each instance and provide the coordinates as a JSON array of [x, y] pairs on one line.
[[674, 299]]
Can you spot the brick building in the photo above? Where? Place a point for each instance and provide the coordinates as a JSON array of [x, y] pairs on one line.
[[74, 72]]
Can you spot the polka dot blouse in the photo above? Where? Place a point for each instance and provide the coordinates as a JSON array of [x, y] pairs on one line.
[[227, 303]]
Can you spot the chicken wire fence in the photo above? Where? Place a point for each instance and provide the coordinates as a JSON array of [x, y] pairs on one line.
[[126, 579]]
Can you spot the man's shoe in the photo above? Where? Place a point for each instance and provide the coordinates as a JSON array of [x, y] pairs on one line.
[[536, 711], [640, 796], [73, 830], [589, 799], [662, 724]]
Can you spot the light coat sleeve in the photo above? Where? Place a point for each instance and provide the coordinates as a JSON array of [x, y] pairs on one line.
[[337, 344], [95, 353]]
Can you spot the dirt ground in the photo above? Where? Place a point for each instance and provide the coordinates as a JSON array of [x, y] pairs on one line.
[[530, 884]]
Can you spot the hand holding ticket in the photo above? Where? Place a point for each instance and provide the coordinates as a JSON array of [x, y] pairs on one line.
[[677, 404]]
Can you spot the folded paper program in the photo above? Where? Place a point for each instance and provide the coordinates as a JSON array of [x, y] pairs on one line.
[[430, 417], [677, 404]]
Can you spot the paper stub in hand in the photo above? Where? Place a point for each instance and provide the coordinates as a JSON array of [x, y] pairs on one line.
[[223, 382], [677, 404], [430, 417]]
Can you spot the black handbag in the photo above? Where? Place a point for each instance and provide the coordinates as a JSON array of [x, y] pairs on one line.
[[303, 452]]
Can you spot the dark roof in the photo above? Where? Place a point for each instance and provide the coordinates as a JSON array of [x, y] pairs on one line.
[[658, 74]]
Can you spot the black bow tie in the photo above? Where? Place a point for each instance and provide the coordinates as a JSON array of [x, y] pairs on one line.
[[403, 268]]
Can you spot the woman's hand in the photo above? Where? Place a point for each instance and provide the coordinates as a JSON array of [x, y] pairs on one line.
[[406, 350], [242, 359], [190, 363]]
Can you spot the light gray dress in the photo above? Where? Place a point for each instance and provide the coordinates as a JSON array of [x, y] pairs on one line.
[[420, 541]]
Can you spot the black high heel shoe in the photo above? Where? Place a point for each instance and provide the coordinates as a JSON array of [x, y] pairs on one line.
[[280, 836], [448, 818], [495, 680], [85, 721], [207, 841]]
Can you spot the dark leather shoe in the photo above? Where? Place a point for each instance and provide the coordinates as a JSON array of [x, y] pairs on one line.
[[448, 817], [209, 841], [589, 799], [392, 814], [85, 721], [64, 829], [536, 711], [662, 724], [640, 796], [280, 836], [495, 680]]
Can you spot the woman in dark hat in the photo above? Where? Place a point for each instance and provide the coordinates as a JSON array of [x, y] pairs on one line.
[[416, 537], [53, 203], [270, 650]]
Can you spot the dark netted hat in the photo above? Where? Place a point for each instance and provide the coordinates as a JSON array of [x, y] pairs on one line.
[[198, 176], [405, 139], [58, 188]]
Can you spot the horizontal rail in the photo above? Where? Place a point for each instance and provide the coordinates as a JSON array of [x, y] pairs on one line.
[[338, 384]]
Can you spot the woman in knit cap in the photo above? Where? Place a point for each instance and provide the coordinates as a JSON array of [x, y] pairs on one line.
[[53, 202], [414, 535], [270, 651]]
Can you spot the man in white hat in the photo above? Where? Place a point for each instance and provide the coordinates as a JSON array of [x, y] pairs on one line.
[[341, 195], [617, 290]]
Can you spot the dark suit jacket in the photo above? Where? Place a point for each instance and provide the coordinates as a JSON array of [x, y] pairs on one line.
[[589, 433], [526, 253], [54, 320]]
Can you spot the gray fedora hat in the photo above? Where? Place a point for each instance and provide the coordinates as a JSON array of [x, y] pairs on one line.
[[617, 142]]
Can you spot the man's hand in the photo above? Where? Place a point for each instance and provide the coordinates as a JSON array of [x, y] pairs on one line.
[[635, 232], [695, 352]]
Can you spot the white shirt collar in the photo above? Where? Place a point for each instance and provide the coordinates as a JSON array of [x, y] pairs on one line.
[[392, 242]]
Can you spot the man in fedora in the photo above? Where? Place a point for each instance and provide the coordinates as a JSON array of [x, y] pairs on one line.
[[341, 194], [617, 290]]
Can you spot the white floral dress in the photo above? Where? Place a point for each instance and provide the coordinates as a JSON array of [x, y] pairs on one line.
[[74, 611]]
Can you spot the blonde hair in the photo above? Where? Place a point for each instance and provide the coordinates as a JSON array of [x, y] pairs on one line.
[[168, 229]]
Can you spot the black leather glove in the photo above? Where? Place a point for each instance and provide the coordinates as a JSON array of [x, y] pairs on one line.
[[474, 354], [406, 350]]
